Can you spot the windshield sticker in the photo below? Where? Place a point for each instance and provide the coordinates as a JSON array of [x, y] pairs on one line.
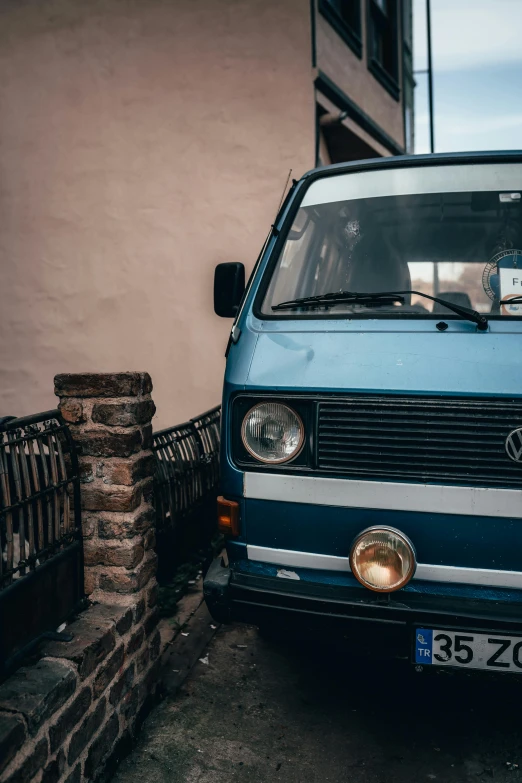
[[511, 287], [502, 279]]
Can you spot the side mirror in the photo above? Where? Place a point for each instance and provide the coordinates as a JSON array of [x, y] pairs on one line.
[[229, 287]]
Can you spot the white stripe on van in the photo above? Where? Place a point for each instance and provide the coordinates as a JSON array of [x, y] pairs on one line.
[[388, 496], [486, 577]]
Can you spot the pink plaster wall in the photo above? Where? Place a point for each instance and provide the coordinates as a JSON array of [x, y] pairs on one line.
[[141, 142]]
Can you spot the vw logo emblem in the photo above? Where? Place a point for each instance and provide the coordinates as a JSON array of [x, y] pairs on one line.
[[514, 445]]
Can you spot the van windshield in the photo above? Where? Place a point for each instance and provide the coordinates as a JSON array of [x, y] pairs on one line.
[[454, 232]]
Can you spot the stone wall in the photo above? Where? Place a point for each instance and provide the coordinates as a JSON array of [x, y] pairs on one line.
[[69, 714]]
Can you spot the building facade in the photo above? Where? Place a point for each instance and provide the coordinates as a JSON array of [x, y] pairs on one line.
[[362, 56], [144, 141]]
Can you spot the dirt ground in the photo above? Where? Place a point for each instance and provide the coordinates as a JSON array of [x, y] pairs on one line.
[[304, 712]]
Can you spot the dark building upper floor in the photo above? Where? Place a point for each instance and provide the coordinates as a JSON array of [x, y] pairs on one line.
[[362, 52]]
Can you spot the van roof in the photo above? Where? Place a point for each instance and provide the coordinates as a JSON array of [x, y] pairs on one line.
[[403, 161]]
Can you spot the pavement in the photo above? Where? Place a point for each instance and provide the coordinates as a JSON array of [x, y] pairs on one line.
[[253, 710]]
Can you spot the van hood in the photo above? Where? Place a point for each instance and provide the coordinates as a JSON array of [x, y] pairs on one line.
[[370, 357]]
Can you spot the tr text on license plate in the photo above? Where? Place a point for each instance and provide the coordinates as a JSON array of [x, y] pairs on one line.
[[468, 650]]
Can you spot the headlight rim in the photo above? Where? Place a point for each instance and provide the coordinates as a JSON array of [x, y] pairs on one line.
[[273, 461], [387, 529]]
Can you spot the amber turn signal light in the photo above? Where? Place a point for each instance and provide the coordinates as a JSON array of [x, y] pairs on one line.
[[228, 516]]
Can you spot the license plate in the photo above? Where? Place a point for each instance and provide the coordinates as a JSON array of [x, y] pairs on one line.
[[468, 650]]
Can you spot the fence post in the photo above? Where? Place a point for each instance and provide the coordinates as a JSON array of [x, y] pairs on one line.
[[109, 415]]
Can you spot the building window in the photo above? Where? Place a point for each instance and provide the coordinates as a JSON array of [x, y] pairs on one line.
[[345, 18], [383, 59], [408, 82]]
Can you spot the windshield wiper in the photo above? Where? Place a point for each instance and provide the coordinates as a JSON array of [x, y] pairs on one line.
[[515, 300], [340, 297], [382, 298]]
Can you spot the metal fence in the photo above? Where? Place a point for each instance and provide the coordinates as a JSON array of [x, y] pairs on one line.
[[41, 556], [187, 475]]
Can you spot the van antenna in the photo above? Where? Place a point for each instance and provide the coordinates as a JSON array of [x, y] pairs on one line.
[[284, 190]]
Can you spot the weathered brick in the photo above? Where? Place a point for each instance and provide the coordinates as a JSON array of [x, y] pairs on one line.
[[72, 411], [87, 470], [120, 384], [89, 525], [122, 581], [128, 471], [108, 671], [90, 581], [106, 497], [101, 746], [135, 641], [106, 443], [113, 553], [69, 718], [125, 622], [147, 569], [147, 490], [122, 685], [32, 764], [75, 776], [87, 730], [93, 640], [54, 770], [155, 644], [152, 598], [123, 414], [109, 612], [38, 691], [149, 539], [114, 525], [132, 702], [12, 737], [152, 677], [142, 660], [118, 581], [146, 437], [151, 622], [139, 610], [135, 699]]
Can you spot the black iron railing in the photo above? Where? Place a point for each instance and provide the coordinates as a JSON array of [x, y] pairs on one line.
[[41, 554], [41, 558], [187, 475]]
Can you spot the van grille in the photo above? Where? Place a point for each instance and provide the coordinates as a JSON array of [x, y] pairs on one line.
[[448, 441]]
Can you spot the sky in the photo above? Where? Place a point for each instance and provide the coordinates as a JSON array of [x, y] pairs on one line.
[[477, 74]]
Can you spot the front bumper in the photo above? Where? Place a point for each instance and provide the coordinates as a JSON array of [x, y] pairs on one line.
[[304, 608]]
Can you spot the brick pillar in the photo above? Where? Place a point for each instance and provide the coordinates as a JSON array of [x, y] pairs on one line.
[[110, 417]]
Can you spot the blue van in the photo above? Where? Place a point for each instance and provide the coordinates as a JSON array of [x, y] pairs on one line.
[[371, 466]]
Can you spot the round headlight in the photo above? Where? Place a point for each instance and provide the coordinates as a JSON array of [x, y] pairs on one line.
[[382, 559], [272, 432]]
